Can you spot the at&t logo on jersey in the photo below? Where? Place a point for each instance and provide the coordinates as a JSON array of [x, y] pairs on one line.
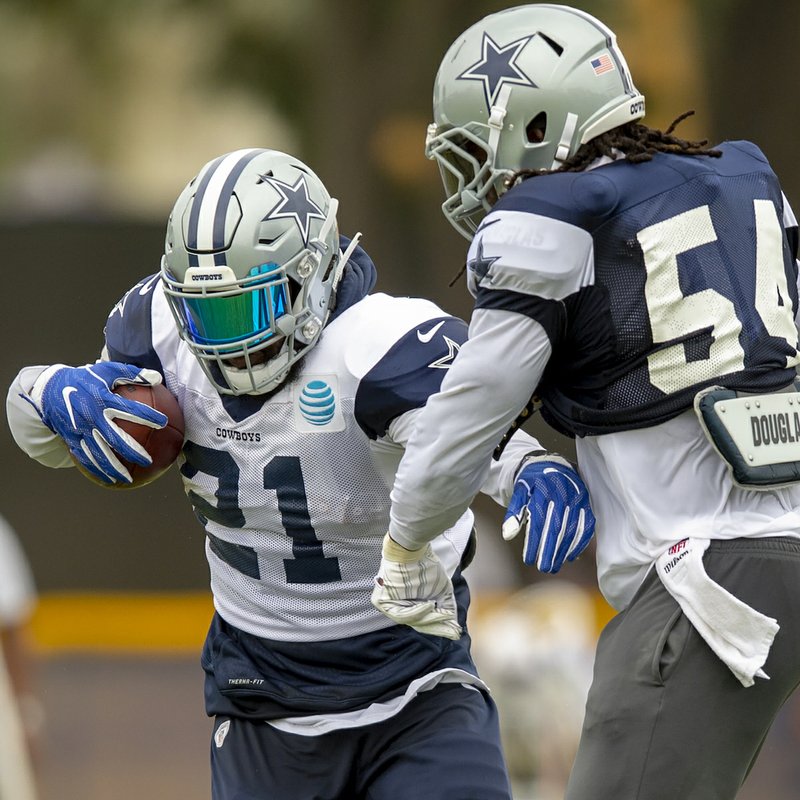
[[317, 405]]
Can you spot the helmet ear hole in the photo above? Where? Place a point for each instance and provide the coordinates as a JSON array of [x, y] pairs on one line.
[[334, 262], [536, 129]]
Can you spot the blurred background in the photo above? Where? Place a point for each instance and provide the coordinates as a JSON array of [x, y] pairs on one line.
[[108, 108]]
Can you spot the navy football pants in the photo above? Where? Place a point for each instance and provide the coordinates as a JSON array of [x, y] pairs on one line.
[[445, 745]]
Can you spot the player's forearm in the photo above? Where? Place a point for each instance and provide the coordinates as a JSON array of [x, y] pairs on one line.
[[27, 428], [499, 483], [440, 475]]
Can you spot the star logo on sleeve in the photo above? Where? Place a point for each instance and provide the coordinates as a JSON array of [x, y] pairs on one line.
[[481, 263], [294, 203], [497, 66], [446, 361]]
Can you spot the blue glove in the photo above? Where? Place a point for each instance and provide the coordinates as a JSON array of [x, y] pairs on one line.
[[551, 504], [77, 404]]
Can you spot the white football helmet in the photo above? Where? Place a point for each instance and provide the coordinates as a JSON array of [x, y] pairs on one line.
[[523, 88], [250, 267]]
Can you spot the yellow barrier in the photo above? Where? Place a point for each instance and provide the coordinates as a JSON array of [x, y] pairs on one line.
[[161, 623], [158, 623]]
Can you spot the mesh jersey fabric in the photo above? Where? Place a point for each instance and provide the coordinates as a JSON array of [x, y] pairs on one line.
[[295, 512], [625, 354]]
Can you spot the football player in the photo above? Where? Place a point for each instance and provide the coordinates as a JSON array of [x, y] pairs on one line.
[[643, 288], [299, 389], [21, 712]]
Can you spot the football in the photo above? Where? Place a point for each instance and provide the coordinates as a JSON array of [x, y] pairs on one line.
[[163, 444]]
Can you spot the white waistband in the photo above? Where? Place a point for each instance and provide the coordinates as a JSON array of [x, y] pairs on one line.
[[318, 724]]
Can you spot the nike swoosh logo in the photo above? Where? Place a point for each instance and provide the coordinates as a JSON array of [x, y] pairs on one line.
[[547, 470], [426, 337], [65, 393]]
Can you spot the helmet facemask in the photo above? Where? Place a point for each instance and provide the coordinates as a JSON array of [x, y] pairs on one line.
[[250, 282], [471, 181]]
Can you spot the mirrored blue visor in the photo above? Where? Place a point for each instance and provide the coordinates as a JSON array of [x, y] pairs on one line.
[[249, 314]]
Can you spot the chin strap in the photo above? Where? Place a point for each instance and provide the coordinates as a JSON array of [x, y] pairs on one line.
[[337, 275], [318, 246], [562, 151], [497, 116]]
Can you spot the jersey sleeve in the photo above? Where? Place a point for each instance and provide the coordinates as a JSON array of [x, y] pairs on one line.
[[492, 379], [499, 483], [528, 264], [129, 328], [129, 339], [30, 433], [408, 373]]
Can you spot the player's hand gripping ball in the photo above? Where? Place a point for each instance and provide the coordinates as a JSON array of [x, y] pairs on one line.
[[163, 444]]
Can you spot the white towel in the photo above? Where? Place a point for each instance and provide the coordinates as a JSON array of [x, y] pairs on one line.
[[739, 635]]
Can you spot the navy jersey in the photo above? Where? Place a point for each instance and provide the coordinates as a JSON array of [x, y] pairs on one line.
[[661, 278], [614, 295]]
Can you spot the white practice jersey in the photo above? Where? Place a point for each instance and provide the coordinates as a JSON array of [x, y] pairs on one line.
[[294, 492], [614, 296]]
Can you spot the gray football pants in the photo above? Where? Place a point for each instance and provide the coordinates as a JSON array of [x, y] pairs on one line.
[[665, 718]]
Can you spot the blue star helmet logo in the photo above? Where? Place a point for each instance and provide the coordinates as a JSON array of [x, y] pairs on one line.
[[294, 203], [497, 66]]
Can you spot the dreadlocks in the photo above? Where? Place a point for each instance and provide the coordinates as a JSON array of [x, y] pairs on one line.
[[635, 141]]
